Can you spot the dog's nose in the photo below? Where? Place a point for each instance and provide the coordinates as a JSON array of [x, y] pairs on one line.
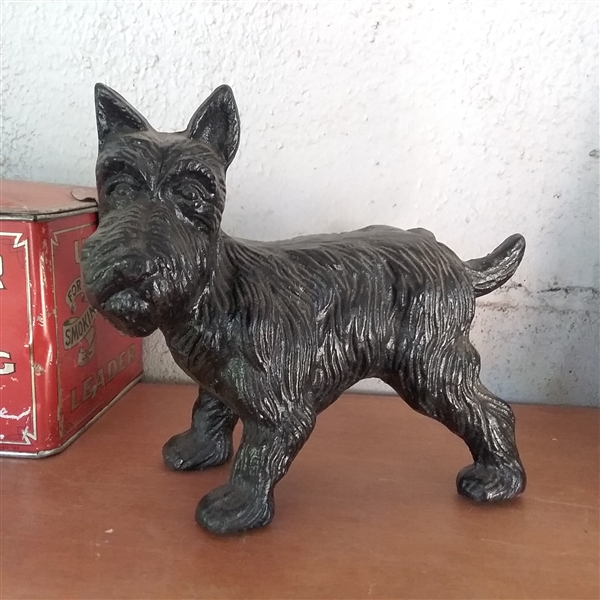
[[133, 269]]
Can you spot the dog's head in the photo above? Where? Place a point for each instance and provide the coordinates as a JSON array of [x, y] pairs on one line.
[[160, 201]]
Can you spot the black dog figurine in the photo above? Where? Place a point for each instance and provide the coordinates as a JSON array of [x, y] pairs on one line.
[[274, 332]]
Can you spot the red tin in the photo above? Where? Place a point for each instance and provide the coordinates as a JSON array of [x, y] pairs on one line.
[[61, 364]]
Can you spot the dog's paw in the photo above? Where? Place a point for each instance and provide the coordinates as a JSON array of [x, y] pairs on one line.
[[229, 509], [189, 452], [492, 482]]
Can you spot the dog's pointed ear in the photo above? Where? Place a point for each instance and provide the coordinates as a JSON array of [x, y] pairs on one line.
[[217, 122], [114, 114]]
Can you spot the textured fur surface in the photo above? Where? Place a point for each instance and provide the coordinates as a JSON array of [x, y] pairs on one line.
[[274, 332]]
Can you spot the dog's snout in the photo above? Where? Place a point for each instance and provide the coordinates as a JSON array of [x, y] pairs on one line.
[[105, 276]]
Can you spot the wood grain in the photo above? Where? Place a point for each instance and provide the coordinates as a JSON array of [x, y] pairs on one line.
[[368, 510]]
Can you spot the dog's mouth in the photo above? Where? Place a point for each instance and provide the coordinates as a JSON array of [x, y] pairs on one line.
[[114, 291], [129, 313]]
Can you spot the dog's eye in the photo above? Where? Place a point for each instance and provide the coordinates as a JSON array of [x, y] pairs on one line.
[[122, 189], [188, 191], [119, 189]]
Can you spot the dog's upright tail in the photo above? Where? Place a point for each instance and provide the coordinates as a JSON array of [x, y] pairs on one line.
[[495, 269]]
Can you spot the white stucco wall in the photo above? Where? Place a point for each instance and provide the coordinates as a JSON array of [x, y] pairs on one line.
[[474, 120]]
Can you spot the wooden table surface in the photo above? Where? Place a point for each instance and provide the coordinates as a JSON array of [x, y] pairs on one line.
[[368, 510]]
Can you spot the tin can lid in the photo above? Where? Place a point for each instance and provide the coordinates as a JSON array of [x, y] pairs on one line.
[[33, 201]]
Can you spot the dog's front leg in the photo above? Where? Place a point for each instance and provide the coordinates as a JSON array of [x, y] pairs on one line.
[[263, 458], [208, 442]]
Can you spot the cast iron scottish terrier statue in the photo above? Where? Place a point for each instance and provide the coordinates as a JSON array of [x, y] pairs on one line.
[[273, 333]]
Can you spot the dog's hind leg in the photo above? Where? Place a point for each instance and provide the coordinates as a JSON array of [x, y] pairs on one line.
[[263, 458], [445, 385], [208, 442]]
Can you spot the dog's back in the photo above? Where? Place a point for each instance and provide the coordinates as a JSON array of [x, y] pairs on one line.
[[378, 268]]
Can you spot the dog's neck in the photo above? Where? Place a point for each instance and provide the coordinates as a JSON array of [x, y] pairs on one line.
[[216, 267], [215, 294], [198, 338]]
